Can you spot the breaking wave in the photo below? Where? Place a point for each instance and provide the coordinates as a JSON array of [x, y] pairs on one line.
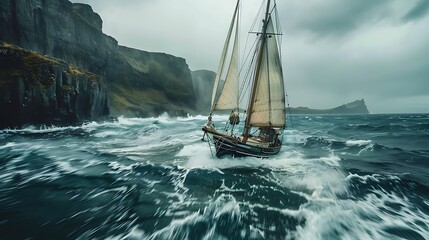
[[153, 178]]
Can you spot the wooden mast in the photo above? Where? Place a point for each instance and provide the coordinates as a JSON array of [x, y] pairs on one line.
[[258, 68]]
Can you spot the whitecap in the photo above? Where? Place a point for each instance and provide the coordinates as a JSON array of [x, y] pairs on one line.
[[8, 145], [368, 217], [350, 143], [331, 160]]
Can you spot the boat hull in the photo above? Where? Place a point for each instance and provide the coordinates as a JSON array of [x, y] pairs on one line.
[[225, 146]]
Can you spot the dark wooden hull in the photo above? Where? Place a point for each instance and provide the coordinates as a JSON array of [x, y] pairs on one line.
[[225, 146], [228, 145]]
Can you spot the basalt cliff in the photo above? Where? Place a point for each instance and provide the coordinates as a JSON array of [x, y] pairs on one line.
[[37, 89], [62, 35]]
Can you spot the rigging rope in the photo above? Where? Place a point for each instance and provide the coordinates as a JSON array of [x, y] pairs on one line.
[[288, 110], [210, 147], [246, 83]]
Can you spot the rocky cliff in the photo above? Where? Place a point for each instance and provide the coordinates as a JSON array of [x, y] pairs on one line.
[[139, 83], [58, 28], [356, 107], [144, 83], [36, 89]]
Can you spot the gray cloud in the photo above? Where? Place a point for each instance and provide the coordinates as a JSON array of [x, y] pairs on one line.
[[335, 17], [420, 9], [335, 51]]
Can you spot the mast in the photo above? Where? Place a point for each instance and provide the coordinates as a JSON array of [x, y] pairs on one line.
[[258, 68]]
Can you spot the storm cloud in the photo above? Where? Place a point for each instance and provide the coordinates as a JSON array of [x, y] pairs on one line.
[[335, 51], [418, 11]]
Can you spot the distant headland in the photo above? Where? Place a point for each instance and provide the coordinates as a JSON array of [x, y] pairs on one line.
[[355, 107]]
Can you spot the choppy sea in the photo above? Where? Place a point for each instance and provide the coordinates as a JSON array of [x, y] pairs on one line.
[[336, 177]]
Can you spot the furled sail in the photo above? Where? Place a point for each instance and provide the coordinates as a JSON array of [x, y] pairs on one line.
[[268, 108], [228, 98]]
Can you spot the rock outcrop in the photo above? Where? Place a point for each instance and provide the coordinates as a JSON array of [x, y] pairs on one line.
[[355, 107], [36, 89]]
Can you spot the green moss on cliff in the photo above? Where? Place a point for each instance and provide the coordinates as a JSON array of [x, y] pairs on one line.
[[141, 102], [38, 69], [67, 89], [126, 98], [19, 63], [136, 64], [162, 72], [75, 72], [10, 66]]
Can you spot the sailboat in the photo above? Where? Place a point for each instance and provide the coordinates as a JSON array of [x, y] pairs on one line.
[[262, 88]]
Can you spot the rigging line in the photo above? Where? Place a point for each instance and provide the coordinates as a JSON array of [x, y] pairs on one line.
[[256, 130], [280, 44], [238, 53], [279, 29], [288, 110], [245, 45], [248, 55], [278, 22], [268, 82], [257, 16], [245, 50], [245, 86], [210, 147], [247, 73], [248, 78], [246, 59]]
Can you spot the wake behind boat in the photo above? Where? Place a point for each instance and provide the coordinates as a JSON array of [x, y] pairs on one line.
[[256, 92]]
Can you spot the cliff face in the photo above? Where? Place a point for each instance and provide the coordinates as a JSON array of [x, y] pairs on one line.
[[71, 32], [144, 83], [44, 90], [356, 107], [139, 83]]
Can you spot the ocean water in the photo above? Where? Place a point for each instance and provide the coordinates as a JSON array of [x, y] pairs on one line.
[[337, 177]]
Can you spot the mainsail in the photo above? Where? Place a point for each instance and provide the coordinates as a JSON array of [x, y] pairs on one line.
[[268, 103]]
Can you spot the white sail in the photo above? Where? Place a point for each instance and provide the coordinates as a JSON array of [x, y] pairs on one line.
[[268, 108], [262, 86], [228, 98], [226, 101]]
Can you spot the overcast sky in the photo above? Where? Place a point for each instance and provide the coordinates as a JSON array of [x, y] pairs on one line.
[[334, 51]]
